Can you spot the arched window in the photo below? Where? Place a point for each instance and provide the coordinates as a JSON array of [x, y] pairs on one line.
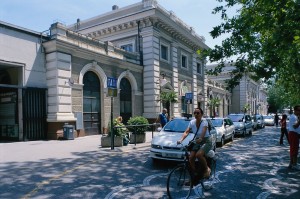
[[91, 103], [125, 100]]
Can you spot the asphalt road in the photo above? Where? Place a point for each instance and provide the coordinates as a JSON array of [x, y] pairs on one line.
[[251, 167]]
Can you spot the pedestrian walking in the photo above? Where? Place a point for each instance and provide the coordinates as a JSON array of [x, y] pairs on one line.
[[163, 117], [283, 129], [294, 133]]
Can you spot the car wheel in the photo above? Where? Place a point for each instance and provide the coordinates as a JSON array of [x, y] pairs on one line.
[[244, 133], [155, 161], [222, 142], [232, 136]]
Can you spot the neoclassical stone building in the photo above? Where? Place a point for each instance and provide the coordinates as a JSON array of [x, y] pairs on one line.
[[167, 48], [52, 78], [248, 92]]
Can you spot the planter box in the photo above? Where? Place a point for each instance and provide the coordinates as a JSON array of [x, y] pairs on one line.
[[106, 141], [140, 138]]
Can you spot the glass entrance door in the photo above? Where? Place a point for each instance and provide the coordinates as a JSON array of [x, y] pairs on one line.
[[91, 103]]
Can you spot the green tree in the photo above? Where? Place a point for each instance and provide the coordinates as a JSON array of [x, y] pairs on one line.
[[213, 103], [279, 98], [170, 96], [264, 39]]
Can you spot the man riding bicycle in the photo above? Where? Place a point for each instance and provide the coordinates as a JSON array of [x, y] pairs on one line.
[[203, 142]]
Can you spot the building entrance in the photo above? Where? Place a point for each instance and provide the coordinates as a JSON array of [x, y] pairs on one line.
[[125, 100], [91, 103], [9, 127]]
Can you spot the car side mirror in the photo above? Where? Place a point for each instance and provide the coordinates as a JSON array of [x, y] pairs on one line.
[[159, 129]]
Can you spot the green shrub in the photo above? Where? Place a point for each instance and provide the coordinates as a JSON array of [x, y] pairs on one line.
[[120, 132], [136, 121]]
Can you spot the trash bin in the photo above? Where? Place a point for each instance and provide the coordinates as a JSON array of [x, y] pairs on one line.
[[68, 132]]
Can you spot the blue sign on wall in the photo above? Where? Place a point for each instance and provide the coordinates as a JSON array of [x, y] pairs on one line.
[[111, 82], [188, 96]]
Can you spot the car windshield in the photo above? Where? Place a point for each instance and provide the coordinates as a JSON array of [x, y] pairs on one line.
[[177, 125], [236, 118], [217, 122]]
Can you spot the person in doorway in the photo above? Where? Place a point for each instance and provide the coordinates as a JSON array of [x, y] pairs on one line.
[[276, 119], [294, 133], [283, 129], [203, 142], [163, 118]]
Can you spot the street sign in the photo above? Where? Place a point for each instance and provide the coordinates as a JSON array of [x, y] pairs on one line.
[[112, 92], [111, 82], [188, 96]]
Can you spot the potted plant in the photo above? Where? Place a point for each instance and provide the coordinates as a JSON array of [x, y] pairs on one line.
[[121, 135], [121, 130], [138, 133]]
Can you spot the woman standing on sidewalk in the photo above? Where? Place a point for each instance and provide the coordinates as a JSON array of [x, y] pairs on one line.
[[283, 129], [294, 133]]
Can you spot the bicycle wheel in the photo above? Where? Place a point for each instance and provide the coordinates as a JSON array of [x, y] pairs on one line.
[[179, 183]]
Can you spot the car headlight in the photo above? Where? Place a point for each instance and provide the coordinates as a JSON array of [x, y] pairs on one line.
[[241, 125], [156, 146]]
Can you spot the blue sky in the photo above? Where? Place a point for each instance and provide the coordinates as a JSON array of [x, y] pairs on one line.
[[38, 15]]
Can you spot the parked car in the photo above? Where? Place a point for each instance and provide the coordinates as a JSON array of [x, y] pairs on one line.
[[225, 129], [254, 122], [164, 144], [269, 120], [260, 121], [242, 123]]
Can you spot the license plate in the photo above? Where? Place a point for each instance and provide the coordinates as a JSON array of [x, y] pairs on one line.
[[170, 155]]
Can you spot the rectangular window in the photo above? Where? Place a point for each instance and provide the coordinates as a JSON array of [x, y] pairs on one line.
[[127, 47], [198, 68], [183, 61], [164, 51]]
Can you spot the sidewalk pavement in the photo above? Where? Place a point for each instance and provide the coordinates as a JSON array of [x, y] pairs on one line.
[[60, 149]]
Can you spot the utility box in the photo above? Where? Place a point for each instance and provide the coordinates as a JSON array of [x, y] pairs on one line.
[[68, 132]]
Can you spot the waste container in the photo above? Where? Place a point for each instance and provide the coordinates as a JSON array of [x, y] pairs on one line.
[[68, 132]]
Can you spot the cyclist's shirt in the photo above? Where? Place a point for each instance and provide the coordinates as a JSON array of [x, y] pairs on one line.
[[192, 125]]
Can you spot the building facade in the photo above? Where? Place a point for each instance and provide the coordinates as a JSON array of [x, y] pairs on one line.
[[22, 84], [167, 47], [62, 76], [249, 94]]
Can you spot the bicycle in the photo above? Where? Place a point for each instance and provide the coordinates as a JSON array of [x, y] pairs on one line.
[[181, 179]]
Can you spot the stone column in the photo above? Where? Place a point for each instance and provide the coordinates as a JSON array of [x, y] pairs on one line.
[[151, 72], [175, 80], [58, 66], [194, 81]]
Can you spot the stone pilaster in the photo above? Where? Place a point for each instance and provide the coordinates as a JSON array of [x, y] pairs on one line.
[[175, 81], [58, 66], [151, 72], [194, 81]]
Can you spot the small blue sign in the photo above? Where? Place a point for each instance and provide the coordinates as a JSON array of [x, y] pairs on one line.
[[188, 96], [111, 82]]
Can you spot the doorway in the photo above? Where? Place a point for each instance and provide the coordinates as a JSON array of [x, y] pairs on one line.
[[91, 104], [125, 100]]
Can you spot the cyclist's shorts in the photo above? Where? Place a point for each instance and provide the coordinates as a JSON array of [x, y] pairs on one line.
[[205, 145]]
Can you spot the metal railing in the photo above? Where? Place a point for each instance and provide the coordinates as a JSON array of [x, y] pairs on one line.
[[153, 126]]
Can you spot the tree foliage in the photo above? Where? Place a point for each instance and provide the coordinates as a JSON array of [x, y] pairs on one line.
[[279, 98], [169, 96], [264, 40]]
